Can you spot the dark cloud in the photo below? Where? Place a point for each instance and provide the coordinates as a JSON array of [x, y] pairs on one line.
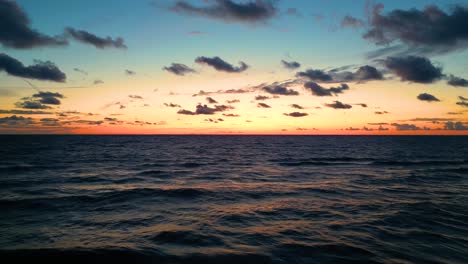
[[339, 105], [221, 65], [229, 91], [290, 65], [279, 90], [179, 69], [233, 101], [134, 96], [315, 75], [429, 28], [381, 112], [172, 105], [457, 81], [206, 110], [31, 105], [261, 97], [211, 100], [454, 113], [130, 72], [377, 124], [455, 126], [318, 90], [49, 98], [296, 106], [428, 97], [263, 105], [462, 103], [231, 115], [362, 105], [462, 98], [44, 71], [16, 31], [414, 69], [349, 21], [407, 127], [91, 39], [230, 11], [24, 112], [362, 74], [15, 120], [296, 114]]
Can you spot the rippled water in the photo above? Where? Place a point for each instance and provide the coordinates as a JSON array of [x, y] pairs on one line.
[[234, 199]]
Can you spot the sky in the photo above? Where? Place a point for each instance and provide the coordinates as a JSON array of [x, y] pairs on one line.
[[234, 67]]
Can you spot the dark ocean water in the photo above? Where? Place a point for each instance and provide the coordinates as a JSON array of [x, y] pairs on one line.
[[234, 199]]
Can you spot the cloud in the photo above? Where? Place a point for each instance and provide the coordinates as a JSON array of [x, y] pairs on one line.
[[279, 90], [229, 91], [134, 96], [231, 115], [16, 31], [462, 98], [44, 71], [296, 114], [381, 112], [339, 105], [49, 98], [362, 74], [362, 105], [349, 21], [130, 72], [428, 97], [230, 11], [455, 126], [318, 90], [430, 28], [24, 112], [462, 103], [205, 110], [15, 120], [291, 65], [179, 69], [221, 65], [263, 105], [408, 127], [210, 100], [296, 106], [97, 81], [414, 69], [457, 81], [233, 101], [172, 105], [80, 71], [31, 105], [91, 39]]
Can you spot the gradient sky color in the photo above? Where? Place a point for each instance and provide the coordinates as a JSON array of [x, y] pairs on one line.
[[116, 90]]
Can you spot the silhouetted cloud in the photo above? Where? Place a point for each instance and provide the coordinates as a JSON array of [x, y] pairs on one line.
[[279, 90], [318, 90], [229, 91], [290, 65], [414, 69], [221, 65], [462, 103], [457, 81], [24, 112], [44, 71], [172, 105], [430, 28], [231, 115], [261, 97], [134, 96], [362, 105], [407, 127], [15, 120], [455, 126], [211, 100], [296, 114], [263, 105], [205, 110], [91, 39], [49, 98], [362, 74], [428, 97], [296, 106], [349, 21], [462, 98], [339, 105], [233, 101], [381, 112], [15, 30], [130, 72], [179, 69], [230, 11], [31, 105]]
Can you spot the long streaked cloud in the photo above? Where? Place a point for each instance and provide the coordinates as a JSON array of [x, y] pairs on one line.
[[205, 110], [42, 70], [362, 74], [179, 69], [339, 105], [258, 11], [221, 65], [96, 41], [16, 31], [279, 90]]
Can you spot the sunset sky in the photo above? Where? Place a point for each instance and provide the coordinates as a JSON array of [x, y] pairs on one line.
[[233, 67]]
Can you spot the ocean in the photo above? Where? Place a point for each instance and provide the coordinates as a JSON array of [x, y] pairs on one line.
[[234, 199]]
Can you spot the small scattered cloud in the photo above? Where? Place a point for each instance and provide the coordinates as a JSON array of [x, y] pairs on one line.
[[179, 69], [15, 120], [97, 81], [210, 100], [339, 105], [296, 114], [130, 72], [263, 105], [134, 96], [80, 71], [457, 81], [349, 21], [251, 12], [362, 74], [381, 112], [172, 105], [455, 126], [279, 90], [91, 39], [205, 110], [427, 97], [290, 65], [231, 115], [318, 90], [296, 106], [44, 71], [221, 65], [234, 101], [40, 100]]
